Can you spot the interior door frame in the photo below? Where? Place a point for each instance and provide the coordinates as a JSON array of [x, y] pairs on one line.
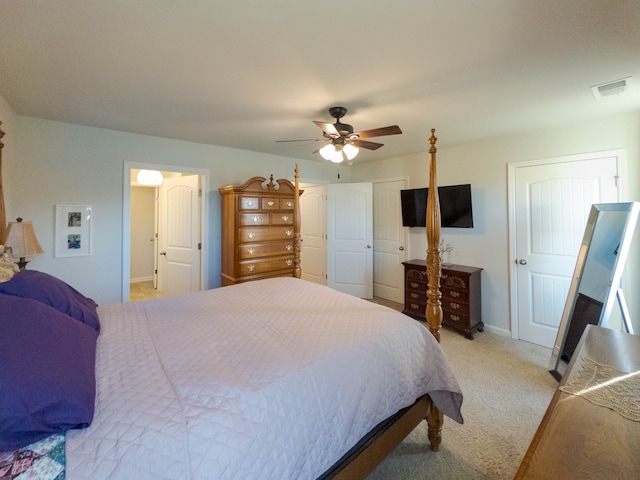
[[126, 218], [621, 155]]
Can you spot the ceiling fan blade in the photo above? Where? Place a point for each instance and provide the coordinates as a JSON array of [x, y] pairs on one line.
[[328, 128], [302, 140], [380, 132], [367, 145]]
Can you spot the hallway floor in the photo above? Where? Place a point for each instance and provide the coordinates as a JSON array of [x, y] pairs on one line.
[[143, 291]]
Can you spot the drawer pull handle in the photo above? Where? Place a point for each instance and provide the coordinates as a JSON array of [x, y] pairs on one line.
[[415, 295], [455, 306], [250, 234], [288, 233], [289, 203], [289, 263], [289, 247], [251, 267], [256, 218], [414, 285], [285, 218], [415, 306], [250, 203], [251, 251], [270, 203], [455, 318], [455, 294]]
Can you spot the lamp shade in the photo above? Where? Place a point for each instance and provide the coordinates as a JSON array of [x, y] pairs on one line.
[[22, 240], [350, 151], [329, 152]]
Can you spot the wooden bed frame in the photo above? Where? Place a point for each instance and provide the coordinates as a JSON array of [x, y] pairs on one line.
[[365, 456], [3, 217]]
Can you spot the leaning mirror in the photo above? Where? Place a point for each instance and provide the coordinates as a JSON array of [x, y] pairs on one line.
[[595, 286]]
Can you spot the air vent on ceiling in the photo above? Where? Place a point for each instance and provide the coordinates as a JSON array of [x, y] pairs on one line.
[[611, 89]]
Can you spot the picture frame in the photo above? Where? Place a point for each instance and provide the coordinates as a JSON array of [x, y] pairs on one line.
[[73, 230]]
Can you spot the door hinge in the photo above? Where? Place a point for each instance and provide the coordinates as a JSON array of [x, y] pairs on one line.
[[199, 192], [616, 178], [199, 246], [155, 271]]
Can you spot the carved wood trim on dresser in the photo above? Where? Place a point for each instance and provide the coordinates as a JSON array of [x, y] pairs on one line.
[[461, 295], [259, 230]]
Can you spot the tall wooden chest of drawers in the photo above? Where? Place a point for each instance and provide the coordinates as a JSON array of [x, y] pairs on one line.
[[258, 230], [461, 295]]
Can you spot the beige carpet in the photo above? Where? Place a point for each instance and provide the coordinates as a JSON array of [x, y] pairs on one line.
[[506, 390]]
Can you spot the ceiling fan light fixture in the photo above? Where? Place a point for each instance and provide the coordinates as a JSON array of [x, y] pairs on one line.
[[350, 151], [331, 152]]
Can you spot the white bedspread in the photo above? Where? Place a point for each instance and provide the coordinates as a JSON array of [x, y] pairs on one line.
[[274, 379]]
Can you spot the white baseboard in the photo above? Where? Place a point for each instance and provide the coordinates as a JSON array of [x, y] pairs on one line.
[[498, 331], [141, 279]]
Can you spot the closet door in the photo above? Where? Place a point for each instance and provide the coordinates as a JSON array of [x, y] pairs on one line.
[[350, 238]]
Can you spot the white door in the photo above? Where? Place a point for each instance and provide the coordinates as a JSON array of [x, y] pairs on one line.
[[350, 238], [552, 203], [179, 236], [313, 253], [389, 241]]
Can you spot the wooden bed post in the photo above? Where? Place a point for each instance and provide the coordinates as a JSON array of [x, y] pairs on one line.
[[3, 217], [296, 226], [434, 306]]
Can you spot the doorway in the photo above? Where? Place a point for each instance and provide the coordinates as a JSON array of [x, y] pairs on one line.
[[389, 237], [549, 204], [199, 222]]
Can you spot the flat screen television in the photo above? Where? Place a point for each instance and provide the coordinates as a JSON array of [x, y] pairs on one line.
[[455, 206]]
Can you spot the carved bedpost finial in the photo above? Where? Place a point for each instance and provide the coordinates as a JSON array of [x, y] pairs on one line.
[[432, 141]]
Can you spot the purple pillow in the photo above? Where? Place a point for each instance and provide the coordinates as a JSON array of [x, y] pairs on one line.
[[55, 293], [47, 372]]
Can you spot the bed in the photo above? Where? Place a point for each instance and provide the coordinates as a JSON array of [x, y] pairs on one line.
[[278, 378]]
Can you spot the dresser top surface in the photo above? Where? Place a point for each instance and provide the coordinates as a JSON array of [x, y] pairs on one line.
[[578, 439], [458, 268]]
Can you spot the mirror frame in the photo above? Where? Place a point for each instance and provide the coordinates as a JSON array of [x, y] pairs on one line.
[[632, 209]]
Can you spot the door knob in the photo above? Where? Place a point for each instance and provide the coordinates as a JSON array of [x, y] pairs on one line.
[[522, 261], [368, 246], [401, 248], [163, 253]]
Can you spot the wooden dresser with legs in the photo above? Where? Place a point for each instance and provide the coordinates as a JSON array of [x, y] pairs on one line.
[[461, 295], [258, 230]]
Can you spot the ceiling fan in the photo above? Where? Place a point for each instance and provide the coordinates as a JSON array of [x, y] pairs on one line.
[[343, 141]]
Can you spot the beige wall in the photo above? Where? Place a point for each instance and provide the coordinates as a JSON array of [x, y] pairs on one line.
[[142, 233], [48, 163], [484, 165], [53, 163]]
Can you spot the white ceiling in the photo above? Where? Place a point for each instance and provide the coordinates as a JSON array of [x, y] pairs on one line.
[[246, 73]]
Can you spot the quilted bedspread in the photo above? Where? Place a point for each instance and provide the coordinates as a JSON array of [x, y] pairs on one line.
[[274, 379]]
